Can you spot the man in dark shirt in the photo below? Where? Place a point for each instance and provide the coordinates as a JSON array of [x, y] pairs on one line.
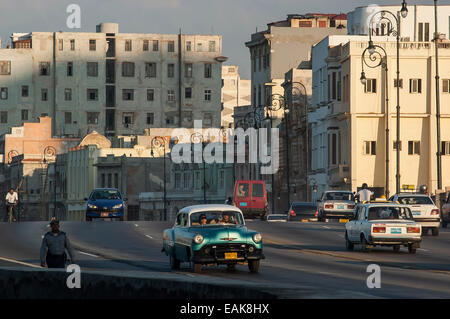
[[54, 246]]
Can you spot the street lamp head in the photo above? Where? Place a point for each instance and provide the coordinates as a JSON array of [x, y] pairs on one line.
[[404, 10], [363, 78], [286, 110], [371, 48]]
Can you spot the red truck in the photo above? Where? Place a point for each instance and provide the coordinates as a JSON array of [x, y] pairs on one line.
[[251, 197]]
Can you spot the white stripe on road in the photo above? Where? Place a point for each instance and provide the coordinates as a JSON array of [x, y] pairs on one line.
[[326, 227], [422, 249], [82, 252], [149, 236], [136, 225], [19, 262]]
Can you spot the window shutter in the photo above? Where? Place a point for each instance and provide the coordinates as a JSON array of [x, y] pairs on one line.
[[373, 147], [443, 150], [445, 86], [410, 147], [417, 147]]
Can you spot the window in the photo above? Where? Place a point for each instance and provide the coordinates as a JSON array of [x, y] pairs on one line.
[[188, 93], [446, 85], [212, 46], [128, 94], [92, 94], [127, 118], [222, 180], [155, 45], [415, 85], [171, 46], [399, 144], [199, 47], [68, 94], [207, 119], [92, 45], [72, 45], [24, 115], [305, 24], [334, 95], [145, 45], [188, 70], [371, 86], [170, 70], [60, 44], [128, 45], [69, 68], [170, 119], [92, 68], [5, 67], [92, 117], [339, 81], [177, 180], [445, 148], [109, 180], [424, 32], [413, 147], [197, 180], [322, 24], [370, 147], [187, 180], [188, 46], [150, 94], [170, 96], [103, 180], [150, 70], [44, 68], [208, 70], [3, 93], [128, 69], [208, 95], [150, 118], [44, 94], [68, 117], [4, 117], [116, 180], [400, 81], [25, 91]]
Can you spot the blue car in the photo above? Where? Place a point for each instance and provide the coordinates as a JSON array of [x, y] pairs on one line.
[[105, 203]]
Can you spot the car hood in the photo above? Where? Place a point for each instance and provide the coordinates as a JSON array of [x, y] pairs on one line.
[[222, 234], [106, 202]]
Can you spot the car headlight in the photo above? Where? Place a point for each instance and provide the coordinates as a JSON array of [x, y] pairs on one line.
[[257, 238], [92, 206], [118, 206], [198, 239]]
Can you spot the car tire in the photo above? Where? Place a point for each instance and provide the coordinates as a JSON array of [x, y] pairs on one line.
[[411, 249], [348, 244], [435, 231], [424, 231], [197, 268], [364, 245], [253, 266], [396, 248], [174, 263], [231, 267], [444, 224]]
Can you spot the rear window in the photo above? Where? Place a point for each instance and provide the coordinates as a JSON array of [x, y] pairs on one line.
[[304, 208], [398, 213], [339, 196], [242, 190], [258, 190], [415, 200]]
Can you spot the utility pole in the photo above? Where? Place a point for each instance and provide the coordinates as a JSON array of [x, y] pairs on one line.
[[438, 106]]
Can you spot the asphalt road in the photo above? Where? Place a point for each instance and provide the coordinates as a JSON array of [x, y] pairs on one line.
[[298, 255]]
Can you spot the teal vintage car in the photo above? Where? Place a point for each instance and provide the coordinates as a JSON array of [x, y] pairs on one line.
[[212, 234]]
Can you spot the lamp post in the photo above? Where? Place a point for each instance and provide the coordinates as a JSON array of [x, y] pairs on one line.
[[385, 17], [438, 106], [199, 138], [373, 57], [49, 151], [12, 154], [158, 142]]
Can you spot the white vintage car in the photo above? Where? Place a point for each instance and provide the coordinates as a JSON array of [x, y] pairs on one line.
[[383, 224]]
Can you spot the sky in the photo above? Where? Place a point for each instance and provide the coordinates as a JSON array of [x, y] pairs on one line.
[[235, 20]]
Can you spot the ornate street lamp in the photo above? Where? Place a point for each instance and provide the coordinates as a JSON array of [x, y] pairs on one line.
[[158, 142], [199, 138]]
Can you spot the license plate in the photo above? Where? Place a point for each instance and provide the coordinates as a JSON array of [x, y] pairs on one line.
[[396, 230], [104, 214], [230, 255], [340, 206], [243, 204], [344, 220], [416, 213], [305, 220]]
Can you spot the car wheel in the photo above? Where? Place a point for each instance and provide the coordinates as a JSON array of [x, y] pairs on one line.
[[424, 231], [253, 266], [444, 224], [174, 263], [231, 267], [435, 231], [197, 268], [396, 248], [411, 249], [364, 245], [348, 244]]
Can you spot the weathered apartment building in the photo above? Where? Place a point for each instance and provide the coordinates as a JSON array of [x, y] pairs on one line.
[[113, 83]]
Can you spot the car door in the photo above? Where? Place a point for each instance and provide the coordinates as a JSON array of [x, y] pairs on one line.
[[178, 236], [352, 225]]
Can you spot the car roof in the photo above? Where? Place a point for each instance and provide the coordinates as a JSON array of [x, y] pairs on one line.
[[209, 207]]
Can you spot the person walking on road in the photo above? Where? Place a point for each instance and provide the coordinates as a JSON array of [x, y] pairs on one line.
[[11, 203], [54, 246], [364, 195]]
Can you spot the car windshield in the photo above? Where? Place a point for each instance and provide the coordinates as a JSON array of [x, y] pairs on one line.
[[415, 200], [105, 194], [339, 196], [389, 212], [209, 218]]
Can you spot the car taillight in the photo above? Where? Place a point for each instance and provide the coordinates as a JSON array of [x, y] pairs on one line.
[[292, 213], [435, 212], [379, 229], [316, 214], [413, 229], [350, 206], [329, 206]]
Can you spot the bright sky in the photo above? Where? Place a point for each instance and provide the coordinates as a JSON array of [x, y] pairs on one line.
[[235, 20]]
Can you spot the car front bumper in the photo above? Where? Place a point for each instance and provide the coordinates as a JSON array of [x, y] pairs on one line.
[[102, 214], [210, 255]]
